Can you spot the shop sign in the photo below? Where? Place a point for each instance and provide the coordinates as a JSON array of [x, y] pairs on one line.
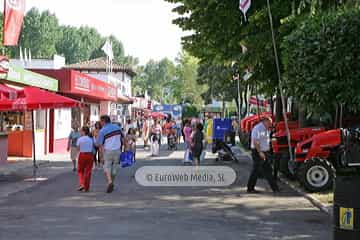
[[86, 84], [20, 75]]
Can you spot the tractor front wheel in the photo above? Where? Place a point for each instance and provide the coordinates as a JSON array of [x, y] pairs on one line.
[[316, 175]]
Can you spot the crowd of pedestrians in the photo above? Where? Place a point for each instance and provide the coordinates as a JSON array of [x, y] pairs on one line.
[[101, 145]]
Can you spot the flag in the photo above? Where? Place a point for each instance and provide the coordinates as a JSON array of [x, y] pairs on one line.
[[244, 6], [107, 48], [14, 11]]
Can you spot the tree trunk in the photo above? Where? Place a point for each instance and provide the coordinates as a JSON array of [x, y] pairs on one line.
[[223, 107], [302, 115], [246, 101], [278, 110], [241, 102], [271, 101]]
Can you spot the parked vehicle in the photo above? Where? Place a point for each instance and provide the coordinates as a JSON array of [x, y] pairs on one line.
[[281, 148], [247, 124], [316, 158]]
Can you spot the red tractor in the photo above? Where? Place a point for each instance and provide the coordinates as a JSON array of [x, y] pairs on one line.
[[280, 145], [316, 158], [247, 124]]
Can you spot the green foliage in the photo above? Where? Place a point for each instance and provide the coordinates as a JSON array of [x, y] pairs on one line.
[[190, 111], [45, 37], [169, 83], [40, 33], [78, 44], [322, 60], [186, 88]]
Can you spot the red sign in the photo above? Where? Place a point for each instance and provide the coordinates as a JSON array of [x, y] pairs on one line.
[[73, 82], [13, 19], [87, 85]]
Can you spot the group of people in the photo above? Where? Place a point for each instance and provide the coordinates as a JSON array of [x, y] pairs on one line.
[[155, 129], [194, 140], [102, 146]]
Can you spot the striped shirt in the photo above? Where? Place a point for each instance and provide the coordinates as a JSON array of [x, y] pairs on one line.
[[110, 137]]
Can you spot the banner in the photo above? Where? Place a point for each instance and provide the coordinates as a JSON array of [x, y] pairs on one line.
[[14, 11], [244, 6]]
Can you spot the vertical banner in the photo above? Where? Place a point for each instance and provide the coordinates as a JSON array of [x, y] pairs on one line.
[[14, 11], [244, 6]]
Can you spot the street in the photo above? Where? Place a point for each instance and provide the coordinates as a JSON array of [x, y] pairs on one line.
[[55, 210]]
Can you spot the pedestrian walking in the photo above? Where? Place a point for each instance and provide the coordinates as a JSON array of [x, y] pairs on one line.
[[187, 139], [197, 143], [260, 152], [71, 146], [187, 134], [85, 145], [156, 133], [97, 154], [110, 143], [178, 131], [130, 141], [146, 132]]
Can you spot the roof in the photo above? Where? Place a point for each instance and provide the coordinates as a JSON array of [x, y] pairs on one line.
[[99, 64]]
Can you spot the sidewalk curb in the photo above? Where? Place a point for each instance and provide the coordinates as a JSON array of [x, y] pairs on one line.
[[22, 168], [314, 201]]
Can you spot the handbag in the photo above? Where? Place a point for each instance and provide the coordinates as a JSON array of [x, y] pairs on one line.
[[202, 156], [188, 156], [127, 159]]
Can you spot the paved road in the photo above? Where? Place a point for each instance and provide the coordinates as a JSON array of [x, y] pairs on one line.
[[54, 210]]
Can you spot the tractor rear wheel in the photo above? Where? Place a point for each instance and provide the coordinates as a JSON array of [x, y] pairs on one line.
[[316, 175]]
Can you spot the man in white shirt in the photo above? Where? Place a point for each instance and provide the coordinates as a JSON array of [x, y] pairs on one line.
[[260, 152]]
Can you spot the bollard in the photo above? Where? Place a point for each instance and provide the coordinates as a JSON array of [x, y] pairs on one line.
[[347, 207]]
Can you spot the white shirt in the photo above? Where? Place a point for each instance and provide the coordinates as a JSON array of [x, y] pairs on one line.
[[261, 134], [86, 144]]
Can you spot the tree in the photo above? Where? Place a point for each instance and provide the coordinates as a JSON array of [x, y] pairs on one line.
[[171, 83], [45, 37], [321, 61], [40, 33], [186, 89]]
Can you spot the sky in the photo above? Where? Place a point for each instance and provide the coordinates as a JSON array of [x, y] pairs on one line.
[[143, 26]]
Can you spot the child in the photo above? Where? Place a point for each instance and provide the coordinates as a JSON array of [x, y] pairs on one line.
[[130, 141]]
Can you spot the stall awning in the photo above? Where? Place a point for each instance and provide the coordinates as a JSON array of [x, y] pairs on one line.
[[124, 100], [7, 92], [32, 98]]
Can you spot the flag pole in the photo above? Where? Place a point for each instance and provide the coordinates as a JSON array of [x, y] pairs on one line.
[[280, 81]]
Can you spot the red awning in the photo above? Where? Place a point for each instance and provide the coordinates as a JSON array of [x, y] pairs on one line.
[[7, 92], [32, 98], [124, 100]]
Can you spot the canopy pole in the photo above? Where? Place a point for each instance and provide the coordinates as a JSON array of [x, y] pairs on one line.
[[280, 81], [33, 144]]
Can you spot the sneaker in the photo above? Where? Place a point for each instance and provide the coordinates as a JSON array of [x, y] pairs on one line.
[[110, 188], [81, 188]]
